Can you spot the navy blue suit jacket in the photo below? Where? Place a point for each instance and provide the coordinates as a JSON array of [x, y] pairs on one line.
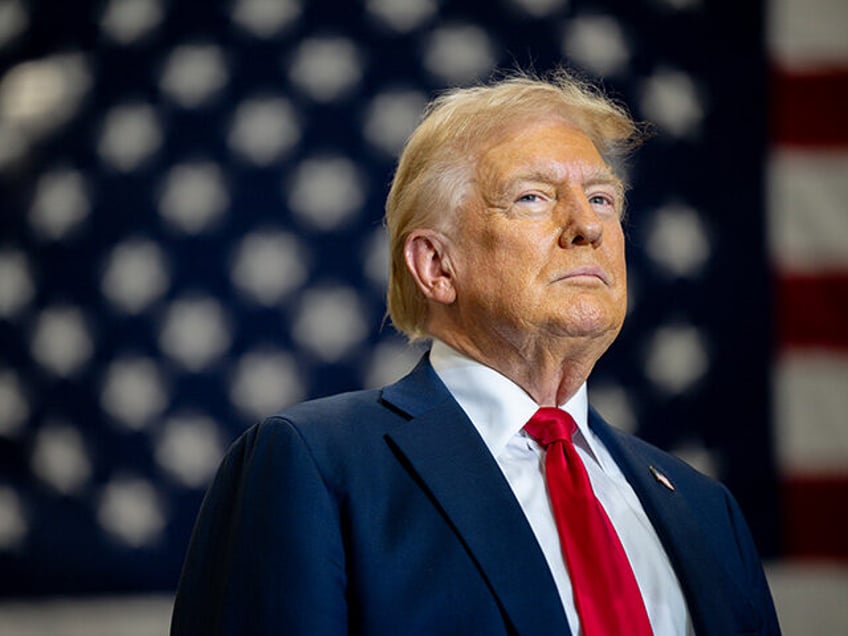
[[382, 512]]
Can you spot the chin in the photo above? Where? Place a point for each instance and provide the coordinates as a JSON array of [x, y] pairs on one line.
[[589, 319], [592, 332]]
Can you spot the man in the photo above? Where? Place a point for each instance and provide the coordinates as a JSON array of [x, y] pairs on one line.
[[428, 507]]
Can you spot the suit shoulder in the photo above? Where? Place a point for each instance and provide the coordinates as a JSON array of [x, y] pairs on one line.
[[338, 426], [331, 411], [679, 471]]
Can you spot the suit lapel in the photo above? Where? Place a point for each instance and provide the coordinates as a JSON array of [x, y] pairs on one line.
[[451, 462], [714, 598]]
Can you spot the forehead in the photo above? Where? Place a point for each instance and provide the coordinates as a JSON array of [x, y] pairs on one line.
[[545, 150]]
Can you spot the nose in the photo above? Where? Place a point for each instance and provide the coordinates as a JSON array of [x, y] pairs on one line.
[[581, 225]]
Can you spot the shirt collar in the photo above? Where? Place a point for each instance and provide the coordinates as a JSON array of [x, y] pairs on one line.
[[496, 405]]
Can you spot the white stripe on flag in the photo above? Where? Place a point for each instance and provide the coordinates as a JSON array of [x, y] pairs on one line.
[[808, 210], [808, 33], [811, 413]]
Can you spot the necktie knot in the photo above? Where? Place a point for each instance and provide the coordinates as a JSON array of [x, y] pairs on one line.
[[550, 424]]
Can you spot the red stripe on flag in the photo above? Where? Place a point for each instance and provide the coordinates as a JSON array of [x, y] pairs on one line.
[[812, 310], [808, 108], [815, 516]]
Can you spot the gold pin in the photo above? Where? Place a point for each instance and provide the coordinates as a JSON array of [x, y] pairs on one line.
[[665, 481]]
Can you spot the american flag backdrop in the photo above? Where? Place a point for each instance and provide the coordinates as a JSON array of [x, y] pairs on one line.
[[190, 238], [808, 230]]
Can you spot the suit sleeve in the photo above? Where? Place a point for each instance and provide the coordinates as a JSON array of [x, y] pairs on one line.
[[266, 555]]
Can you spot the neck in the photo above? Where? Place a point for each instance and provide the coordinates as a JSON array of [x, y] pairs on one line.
[[549, 372]]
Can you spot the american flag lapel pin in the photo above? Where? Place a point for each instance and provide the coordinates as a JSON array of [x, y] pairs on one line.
[[665, 481]]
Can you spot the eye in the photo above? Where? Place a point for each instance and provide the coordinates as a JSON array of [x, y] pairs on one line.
[[530, 197], [605, 202], [601, 199], [532, 203]]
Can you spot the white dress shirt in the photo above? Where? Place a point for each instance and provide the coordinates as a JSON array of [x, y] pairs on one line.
[[499, 409]]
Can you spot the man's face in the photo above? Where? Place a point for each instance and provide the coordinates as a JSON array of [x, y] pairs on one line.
[[539, 244]]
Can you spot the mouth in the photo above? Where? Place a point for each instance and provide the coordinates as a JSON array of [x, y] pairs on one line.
[[587, 274]]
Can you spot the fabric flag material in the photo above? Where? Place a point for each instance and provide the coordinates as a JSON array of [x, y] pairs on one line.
[[808, 222]]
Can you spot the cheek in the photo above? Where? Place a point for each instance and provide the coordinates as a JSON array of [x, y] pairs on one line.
[[614, 244], [616, 263]]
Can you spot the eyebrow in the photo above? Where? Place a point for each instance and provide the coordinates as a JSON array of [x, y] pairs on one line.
[[591, 175]]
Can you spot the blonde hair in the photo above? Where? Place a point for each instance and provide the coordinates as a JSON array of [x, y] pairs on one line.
[[434, 170]]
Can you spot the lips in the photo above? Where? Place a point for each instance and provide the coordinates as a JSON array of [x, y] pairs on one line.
[[588, 271]]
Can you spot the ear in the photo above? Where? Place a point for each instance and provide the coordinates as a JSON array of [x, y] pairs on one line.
[[426, 257]]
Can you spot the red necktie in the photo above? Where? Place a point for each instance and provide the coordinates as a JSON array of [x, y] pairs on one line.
[[606, 595]]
